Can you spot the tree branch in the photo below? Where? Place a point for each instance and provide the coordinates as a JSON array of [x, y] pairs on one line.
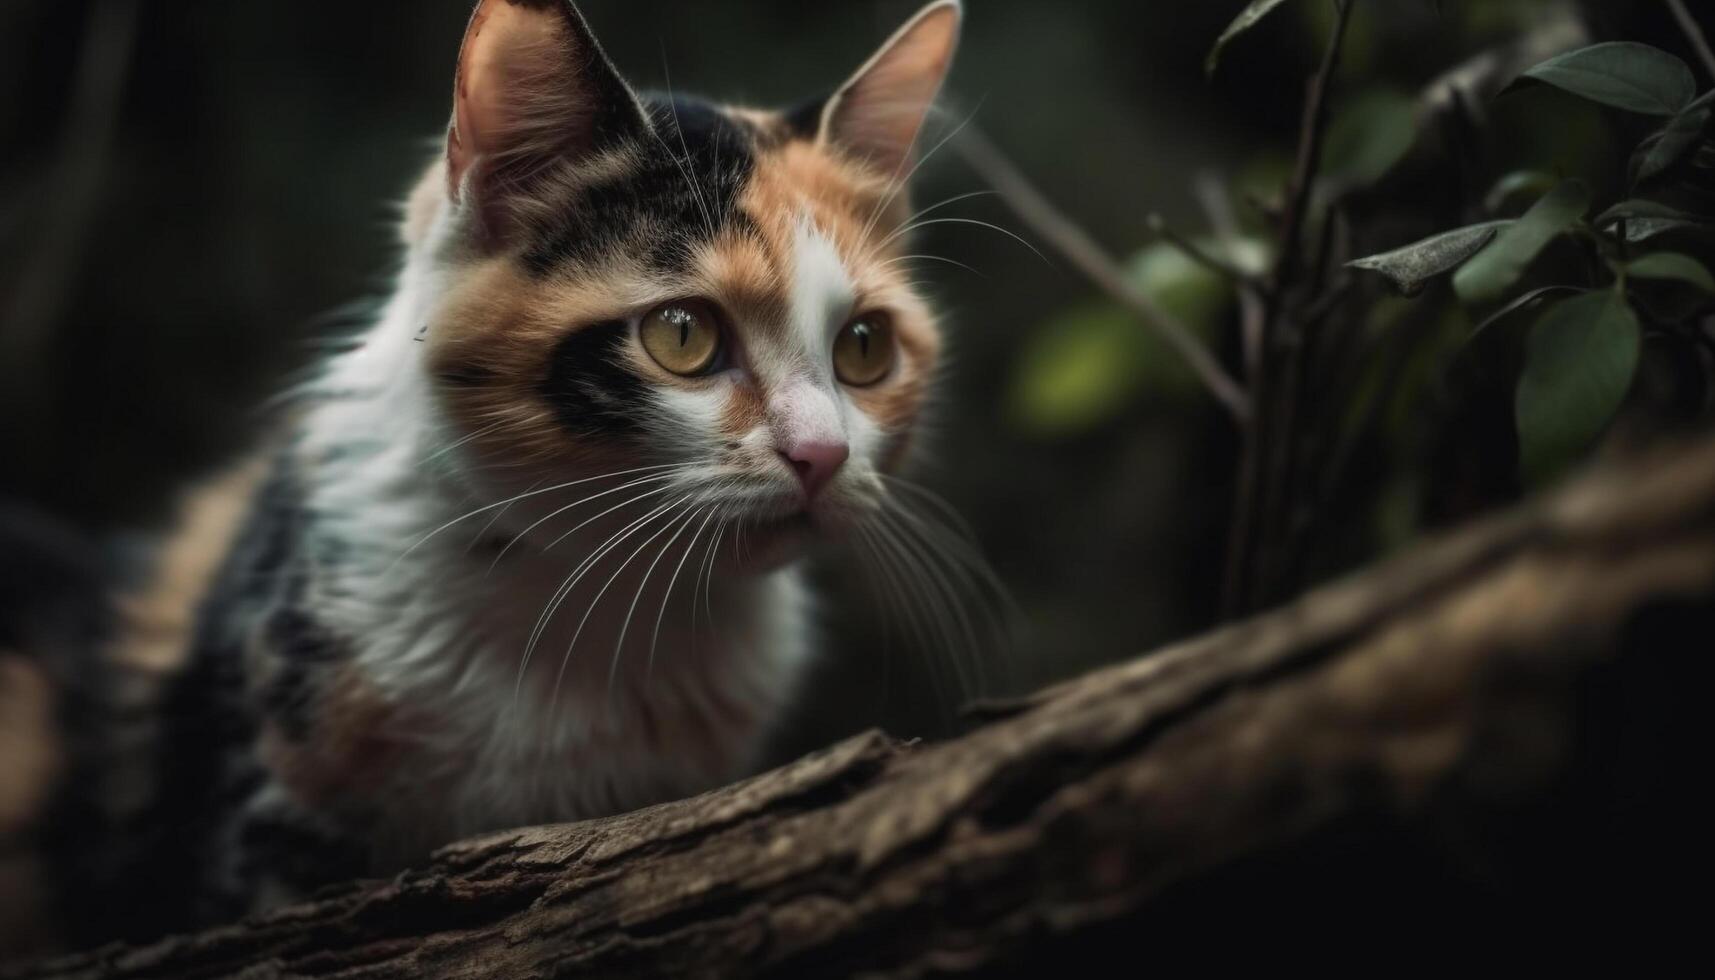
[[1196, 253], [1076, 245], [1694, 34], [1496, 739], [1211, 192], [103, 62]]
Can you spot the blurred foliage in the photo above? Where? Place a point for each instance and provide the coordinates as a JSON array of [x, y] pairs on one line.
[[1370, 135], [1400, 386], [1583, 351], [1086, 367]]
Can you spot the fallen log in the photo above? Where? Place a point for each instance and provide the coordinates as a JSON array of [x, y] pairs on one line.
[[1496, 737]]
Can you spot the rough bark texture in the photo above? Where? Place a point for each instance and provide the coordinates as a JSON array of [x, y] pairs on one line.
[[1497, 737]]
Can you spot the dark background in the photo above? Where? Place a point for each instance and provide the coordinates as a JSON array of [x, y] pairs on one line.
[[169, 257]]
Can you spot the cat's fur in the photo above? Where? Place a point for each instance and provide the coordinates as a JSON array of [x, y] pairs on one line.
[[353, 690]]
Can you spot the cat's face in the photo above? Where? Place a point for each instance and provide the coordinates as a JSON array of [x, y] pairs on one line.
[[636, 282]]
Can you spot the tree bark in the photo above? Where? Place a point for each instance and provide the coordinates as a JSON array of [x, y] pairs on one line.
[[1497, 737]]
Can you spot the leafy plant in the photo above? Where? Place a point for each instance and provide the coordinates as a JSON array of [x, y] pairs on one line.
[[1582, 353], [1372, 393]]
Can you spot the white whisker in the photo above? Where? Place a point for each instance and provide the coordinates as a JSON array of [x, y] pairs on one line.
[[966, 221], [566, 660], [690, 546], [642, 586], [571, 581], [530, 493], [662, 478]]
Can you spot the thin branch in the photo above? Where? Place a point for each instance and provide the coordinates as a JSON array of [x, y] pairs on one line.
[[46, 279], [1076, 245], [1196, 253], [1211, 192], [1265, 457], [1310, 146], [1694, 34]]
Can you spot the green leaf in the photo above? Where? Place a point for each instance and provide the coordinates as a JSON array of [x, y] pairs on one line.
[[1255, 11], [1622, 74], [1579, 364], [1370, 134], [1413, 266], [1647, 219], [1518, 182], [1086, 367], [1526, 301], [1644, 229], [1640, 208], [1078, 372], [1498, 267], [1674, 142], [1672, 266]]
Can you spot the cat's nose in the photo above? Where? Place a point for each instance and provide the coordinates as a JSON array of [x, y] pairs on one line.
[[816, 461]]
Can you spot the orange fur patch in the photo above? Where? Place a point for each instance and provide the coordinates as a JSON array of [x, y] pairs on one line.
[[29, 744], [31, 764], [157, 621], [859, 212]]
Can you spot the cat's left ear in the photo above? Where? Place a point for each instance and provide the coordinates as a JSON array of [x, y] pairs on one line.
[[876, 116]]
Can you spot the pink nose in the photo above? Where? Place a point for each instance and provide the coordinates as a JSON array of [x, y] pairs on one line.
[[816, 463]]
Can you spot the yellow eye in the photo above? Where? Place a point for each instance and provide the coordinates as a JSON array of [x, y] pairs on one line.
[[864, 351], [683, 336]]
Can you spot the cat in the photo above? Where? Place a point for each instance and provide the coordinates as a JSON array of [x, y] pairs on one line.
[[530, 550]]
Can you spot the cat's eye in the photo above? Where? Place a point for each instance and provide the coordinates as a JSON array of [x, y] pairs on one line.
[[864, 351], [683, 336]]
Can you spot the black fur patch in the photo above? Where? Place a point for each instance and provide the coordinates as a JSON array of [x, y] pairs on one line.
[[684, 192], [804, 120], [288, 845], [588, 384], [301, 650]]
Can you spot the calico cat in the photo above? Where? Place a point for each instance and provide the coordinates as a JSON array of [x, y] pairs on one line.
[[529, 551]]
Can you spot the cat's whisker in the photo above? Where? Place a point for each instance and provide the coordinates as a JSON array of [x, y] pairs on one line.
[[495, 520], [957, 535], [530, 493], [682, 163], [886, 573], [708, 513], [945, 566], [643, 586], [564, 590], [566, 660], [930, 591], [901, 180], [991, 226], [900, 259], [935, 500], [925, 212], [708, 580], [978, 593], [889, 563], [662, 478], [478, 434]]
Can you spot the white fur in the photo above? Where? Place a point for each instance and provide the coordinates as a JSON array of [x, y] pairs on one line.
[[822, 293]]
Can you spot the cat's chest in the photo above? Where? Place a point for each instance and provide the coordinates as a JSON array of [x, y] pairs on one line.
[[481, 703]]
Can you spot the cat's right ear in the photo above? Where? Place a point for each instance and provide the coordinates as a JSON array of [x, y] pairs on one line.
[[534, 90]]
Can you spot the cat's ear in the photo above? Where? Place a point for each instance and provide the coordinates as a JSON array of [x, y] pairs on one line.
[[533, 89], [875, 117]]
